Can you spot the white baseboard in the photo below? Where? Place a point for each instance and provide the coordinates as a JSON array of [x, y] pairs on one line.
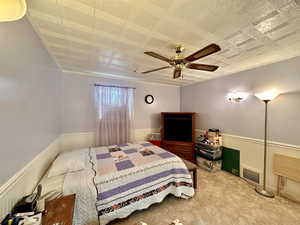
[[251, 156], [24, 181], [251, 152]]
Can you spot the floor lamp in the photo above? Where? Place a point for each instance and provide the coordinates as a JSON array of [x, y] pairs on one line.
[[266, 97]]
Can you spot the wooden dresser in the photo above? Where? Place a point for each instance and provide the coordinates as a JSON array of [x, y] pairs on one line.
[[59, 211], [183, 149]]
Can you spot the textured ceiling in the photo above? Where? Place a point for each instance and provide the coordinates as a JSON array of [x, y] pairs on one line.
[[109, 36]]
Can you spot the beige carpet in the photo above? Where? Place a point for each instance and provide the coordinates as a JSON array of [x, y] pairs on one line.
[[221, 199]]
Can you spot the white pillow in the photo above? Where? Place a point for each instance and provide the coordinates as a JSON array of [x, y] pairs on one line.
[[70, 162], [52, 184]]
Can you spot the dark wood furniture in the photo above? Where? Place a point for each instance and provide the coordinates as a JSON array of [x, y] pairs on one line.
[[192, 169], [59, 211], [157, 143], [183, 149]]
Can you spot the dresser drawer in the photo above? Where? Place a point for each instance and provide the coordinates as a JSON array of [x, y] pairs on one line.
[[186, 149], [182, 150]]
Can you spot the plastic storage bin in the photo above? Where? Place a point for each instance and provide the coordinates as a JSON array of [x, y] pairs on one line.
[[211, 166]]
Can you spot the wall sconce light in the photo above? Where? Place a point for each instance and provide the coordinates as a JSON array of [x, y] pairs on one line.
[[237, 96], [11, 10]]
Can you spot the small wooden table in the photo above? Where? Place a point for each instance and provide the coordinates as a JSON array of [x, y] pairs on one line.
[[286, 167], [193, 169], [59, 211]]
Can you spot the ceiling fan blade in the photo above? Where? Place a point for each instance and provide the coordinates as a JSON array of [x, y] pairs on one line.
[[158, 56], [160, 68], [177, 73], [208, 50], [196, 66]]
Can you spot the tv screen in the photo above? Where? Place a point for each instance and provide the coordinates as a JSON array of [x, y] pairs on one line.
[[178, 127]]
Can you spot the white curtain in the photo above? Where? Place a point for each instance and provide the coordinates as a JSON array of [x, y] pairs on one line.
[[115, 108]]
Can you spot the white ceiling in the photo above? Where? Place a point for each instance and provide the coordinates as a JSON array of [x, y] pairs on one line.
[[109, 36]]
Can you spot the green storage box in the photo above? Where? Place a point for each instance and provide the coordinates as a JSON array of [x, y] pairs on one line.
[[231, 161]]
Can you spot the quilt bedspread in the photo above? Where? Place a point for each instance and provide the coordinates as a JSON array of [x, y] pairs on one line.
[[131, 177]]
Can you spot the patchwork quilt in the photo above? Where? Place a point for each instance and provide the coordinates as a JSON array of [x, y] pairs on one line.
[[131, 177]]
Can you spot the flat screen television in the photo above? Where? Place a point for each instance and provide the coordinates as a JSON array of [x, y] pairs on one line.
[[178, 127]]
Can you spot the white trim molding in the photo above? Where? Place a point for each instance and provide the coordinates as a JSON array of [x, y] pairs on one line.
[[24, 181], [260, 141], [254, 140], [251, 156], [119, 77]]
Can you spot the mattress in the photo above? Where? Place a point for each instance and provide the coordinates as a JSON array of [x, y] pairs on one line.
[[81, 183], [122, 179]]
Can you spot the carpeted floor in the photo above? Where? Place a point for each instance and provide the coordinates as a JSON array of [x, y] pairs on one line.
[[221, 199]]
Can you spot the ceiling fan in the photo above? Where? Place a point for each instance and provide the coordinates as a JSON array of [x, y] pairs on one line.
[[179, 61]]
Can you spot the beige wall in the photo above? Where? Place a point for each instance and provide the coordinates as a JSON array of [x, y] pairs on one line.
[[78, 109], [243, 123], [29, 102], [208, 99]]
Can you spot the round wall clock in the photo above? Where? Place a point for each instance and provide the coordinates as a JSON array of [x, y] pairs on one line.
[[149, 99]]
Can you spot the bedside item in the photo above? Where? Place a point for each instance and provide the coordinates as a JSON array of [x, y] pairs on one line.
[[149, 99], [32, 220], [154, 138], [10, 219], [286, 167], [178, 133], [59, 211], [266, 97], [29, 218], [28, 203]]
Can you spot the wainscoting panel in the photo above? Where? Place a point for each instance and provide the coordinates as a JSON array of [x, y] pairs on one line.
[[24, 182], [251, 157], [74, 141]]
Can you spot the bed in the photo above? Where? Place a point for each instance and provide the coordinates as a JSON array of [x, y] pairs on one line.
[[120, 179]]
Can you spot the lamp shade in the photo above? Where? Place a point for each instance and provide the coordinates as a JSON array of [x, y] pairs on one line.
[[267, 95], [11, 10]]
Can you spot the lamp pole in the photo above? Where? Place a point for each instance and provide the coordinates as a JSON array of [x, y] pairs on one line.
[[262, 190]]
